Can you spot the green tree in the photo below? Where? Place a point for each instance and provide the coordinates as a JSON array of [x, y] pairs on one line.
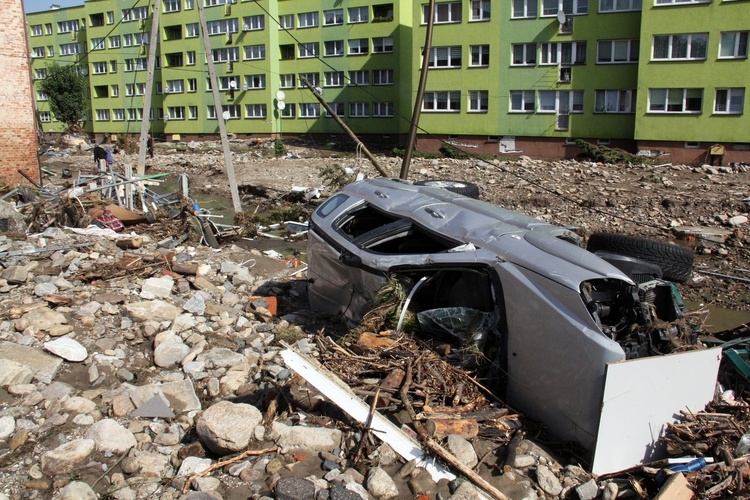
[[66, 91]]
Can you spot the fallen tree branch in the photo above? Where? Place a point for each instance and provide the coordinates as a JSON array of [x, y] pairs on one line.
[[221, 464]]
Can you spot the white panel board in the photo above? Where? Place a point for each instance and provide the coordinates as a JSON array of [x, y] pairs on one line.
[[641, 396]]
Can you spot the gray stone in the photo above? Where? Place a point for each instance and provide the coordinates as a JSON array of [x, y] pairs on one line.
[[193, 465], [462, 450], [13, 373], [7, 426], [152, 464], [522, 461], [466, 491], [42, 365], [44, 289], [88, 309], [157, 287], [154, 310], [156, 407], [737, 220], [202, 495], [228, 427], [548, 481], [184, 322], [169, 354], [314, 438], [67, 348], [43, 318], [60, 330], [15, 275], [206, 483], [77, 490], [181, 395], [294, 488], [610, 491], [221, 357], [349, 491], [110, 436], [588, 490], [380, 484], [16, 223], [195, 304], [68, 457], [57, 390]]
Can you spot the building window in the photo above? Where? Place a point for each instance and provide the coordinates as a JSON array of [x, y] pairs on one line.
[[254, 23], [307, 20], [480, 56], [214, 3], [192, 30], [37, 52], [445, 57], [733, 45], [359, 46], [522, 101], [359, 109], [309, 49], [175, 86], [312, 78], [102, 115], [286, 52], [36, 30], [619, 5], [114, 42], [614, 101], [68, 26], [334, 48], [382, 109], [359, 14], [480, 10], [334, 79], [675, 100], [172, 5], [359, 78], [524, 54], [570, 7], [99, 68], [143, 38], [309, 110], [290, 111], [67, 49], [140, 88], [41, 96], [255, 52], [115, 91], [190, 57], [563, 52], [254, 82], [118, 115], [333, 17], [176, 112], [129, 89], [677, 2], [233, 111], [255, 111], [689, 46], [189, 4], [48, 28], [382, 13], [222, 27], [192, 85], [560, 101], [286, 22], [97, 44], [50, 51], [525, 9], [40, 73], [226, 55], [382, 77], [127, 40], [287, 81], [134, 114], [617, 51], [337, 108], [729, 101], [382, 45], [447, 12], [449, 101], [478, 101], [45, 117], [228, 83]]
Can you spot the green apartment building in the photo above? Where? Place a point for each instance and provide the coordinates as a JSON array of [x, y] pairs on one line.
[[505, 77]]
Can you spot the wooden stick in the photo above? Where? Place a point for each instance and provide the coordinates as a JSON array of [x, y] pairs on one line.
[[218, 465]]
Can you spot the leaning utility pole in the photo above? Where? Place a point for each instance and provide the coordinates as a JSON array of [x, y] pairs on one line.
[[218, 112], [412, 139], [348, 131], [145, 118]]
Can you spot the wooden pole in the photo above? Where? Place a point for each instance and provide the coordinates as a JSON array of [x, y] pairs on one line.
[[217, 107], [153, 39], [348, 131], [412, 138]]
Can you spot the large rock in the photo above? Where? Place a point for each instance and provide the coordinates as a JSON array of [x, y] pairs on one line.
[[77, 490], [157, 287], [462, 450], [41, 364], [7, 426], [228, 427], [169, 354], [110, 436], [312, 438], [14, 373], [380, 484], [68, 457], [14, 222], [193, 465], [155, 310], [44, 318], [548, 481], [67, 348], [294, 488], [220, 357]]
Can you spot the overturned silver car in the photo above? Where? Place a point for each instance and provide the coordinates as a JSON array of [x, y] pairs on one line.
[[552, 315]]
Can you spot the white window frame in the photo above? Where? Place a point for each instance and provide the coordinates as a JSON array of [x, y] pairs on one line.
[[338, 108], [99, 68], [190, 56], [527, 101], [739, 46], [127, 40], [382, 110], [550, 8], [37, 52], [308, 50], [551, 53], [309, 110], [632, 47], [382, 77], [671, 43], [222, 26], [286, 22], [98, 43], [574, 101], [480, 10], [525, 9], [333, 17], [357, 15], [313, 78], [255, 52], [192, 85], [614, 101], [479, 56], [445, 13], [433, 101], [45, 116], [192, 112], [37, 30], [129, 89], [69, 49], [102, 115], [228, 54], [479, 101], [527, 50], [255, 82], [359, 110], [733, 102], [286, 81], [382, 45], [337, 45], [358, 46], [175, 112], [40, 73], [333, 79], [307, 20], [140, 89], [290, 111], [41, 96], [225, 83], [360, 78], [114, 42], [172, 6], [192, 30], [114, 91], [175, 86], [660, 3], [254, 23], [256, 111], [110, 17], [68, 26], [449, 57], [610, 6], [681, 93]]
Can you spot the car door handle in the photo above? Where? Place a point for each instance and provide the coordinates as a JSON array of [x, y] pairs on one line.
[[435, 213]]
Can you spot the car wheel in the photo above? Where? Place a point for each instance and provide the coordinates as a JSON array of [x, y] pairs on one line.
[[458, 187], [676, 262]]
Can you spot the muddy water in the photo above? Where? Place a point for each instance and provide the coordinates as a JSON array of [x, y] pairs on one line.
[[719, 318]]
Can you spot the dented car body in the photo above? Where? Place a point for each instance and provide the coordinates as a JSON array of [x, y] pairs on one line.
[[559, 314]]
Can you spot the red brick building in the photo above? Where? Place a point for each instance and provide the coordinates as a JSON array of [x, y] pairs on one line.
[[18, 142]]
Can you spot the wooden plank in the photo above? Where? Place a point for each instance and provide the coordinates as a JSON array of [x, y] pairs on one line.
[[676, 488]]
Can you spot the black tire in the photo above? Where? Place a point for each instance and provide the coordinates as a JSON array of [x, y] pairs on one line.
[[676, 262], [458, 187]]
